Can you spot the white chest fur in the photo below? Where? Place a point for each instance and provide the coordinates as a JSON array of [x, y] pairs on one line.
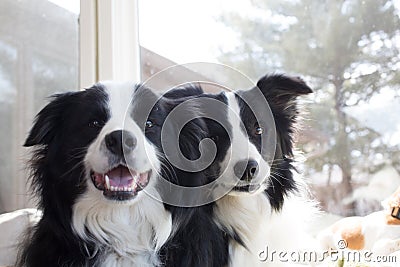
[[264, 232], [129, 235]]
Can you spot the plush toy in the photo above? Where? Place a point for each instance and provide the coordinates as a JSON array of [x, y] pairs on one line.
[[378, 232]]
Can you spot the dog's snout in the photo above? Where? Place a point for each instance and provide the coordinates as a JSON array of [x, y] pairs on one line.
[[246, 170], [120, 142]]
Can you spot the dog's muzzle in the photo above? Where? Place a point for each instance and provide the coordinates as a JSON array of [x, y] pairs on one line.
[[120, 183]]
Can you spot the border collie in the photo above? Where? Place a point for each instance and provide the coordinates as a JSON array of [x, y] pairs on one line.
[[266, 207], [95, 168], [196, 239]]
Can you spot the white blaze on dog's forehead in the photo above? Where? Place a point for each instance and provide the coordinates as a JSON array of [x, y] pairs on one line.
[[119, 105], [119, 97], [239, 145], [241, 148], [240, 140]]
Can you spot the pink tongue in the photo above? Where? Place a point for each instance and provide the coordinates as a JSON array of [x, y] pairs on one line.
[[120, 177]]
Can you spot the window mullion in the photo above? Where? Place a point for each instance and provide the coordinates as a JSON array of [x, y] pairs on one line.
[[109, 41]]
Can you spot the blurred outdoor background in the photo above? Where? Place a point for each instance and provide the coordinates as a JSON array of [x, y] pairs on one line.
[[347, 50]]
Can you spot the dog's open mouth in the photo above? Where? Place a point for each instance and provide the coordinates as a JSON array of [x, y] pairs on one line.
[[120, 183]]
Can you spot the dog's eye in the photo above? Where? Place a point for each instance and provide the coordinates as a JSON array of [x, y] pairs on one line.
[[215, 138], [149, 124], [259, 130], [95, 124]]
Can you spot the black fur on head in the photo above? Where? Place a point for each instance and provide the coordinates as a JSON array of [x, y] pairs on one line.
[[213, 116], [159, 108], [184, 91], [197, 241], [57, 172], [52, 137], [281, 93]]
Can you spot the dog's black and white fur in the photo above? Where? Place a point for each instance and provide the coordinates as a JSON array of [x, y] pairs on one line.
[[89, 181], [266, 209], [95, 166], [95, 171], [266, 206], [196, 239]]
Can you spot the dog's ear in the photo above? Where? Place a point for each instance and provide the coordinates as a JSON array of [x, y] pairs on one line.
[[47, 121], [281, 92], [280, 89]]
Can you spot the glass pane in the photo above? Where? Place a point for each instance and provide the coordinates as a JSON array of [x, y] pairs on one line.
[[348, 51], [38, 57]]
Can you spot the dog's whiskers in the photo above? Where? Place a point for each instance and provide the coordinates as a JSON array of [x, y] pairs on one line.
[[276, 178]]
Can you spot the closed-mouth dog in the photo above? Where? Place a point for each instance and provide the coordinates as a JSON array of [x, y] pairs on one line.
[[264, 206], [196, 239], [95, 167]]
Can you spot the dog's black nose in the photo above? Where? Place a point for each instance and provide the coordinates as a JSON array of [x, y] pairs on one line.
[[246, 170], [120, 142]]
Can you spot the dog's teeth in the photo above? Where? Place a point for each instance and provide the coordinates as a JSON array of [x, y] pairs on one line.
[[107, 181], [112, 188], [125, 188]]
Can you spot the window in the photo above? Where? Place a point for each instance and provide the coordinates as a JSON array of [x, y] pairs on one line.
[[348, 51], [38, 57], [51, 46]]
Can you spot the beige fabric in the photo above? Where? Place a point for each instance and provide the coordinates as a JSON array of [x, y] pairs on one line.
[[12, 228]]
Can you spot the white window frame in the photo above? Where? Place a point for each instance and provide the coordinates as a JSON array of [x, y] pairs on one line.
[[109, 41]]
